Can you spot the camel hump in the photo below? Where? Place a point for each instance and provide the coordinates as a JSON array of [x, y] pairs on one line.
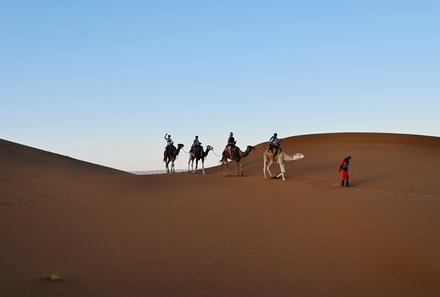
[[170, 149], [197, 150]]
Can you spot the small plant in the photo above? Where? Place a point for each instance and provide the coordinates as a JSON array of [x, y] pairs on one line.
[[55, 277]]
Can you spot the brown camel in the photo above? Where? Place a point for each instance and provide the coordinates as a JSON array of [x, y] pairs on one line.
[[237, 155], [198, 154], [170, 155], [280, 159]]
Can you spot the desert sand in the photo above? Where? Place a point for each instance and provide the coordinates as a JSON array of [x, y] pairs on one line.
[[111, 233]]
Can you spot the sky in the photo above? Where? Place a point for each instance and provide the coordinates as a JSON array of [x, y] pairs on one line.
[[103, 81]]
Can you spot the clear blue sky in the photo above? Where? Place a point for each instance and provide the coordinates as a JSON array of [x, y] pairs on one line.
[[103, 81]]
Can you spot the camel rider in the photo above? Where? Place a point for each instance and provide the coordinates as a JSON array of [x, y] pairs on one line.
[[196, 145], [274, 144], [343, 167], [231, 144], [169, 143], [168, 140]]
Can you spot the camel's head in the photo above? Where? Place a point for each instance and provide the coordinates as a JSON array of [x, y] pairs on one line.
[[299, 156], [250, 148], [180, 145], [208, 147]]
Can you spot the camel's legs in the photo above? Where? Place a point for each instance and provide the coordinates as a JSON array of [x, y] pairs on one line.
[[203, 166], [221, 167], [225, 162], [238, 164], [281, 174], [236, 167], [189, 161], [197, 165], [268, 166], [282, 169], [264, 166]]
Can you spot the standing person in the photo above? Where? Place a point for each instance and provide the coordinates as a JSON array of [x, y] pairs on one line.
[[274, 143], [343, 167], [231, 144]]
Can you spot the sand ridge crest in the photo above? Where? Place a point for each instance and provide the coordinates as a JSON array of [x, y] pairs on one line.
[[109, 233]]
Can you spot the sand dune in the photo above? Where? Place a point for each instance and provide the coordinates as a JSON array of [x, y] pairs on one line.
[[110, 233]]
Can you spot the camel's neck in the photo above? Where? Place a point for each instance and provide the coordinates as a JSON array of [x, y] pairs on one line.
[[205, 153], [245, 153], [178, 150]]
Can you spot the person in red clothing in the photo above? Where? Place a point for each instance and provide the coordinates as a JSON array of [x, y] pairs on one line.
[[343, 167]]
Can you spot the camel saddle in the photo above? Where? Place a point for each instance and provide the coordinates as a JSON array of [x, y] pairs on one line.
[[277, 151], [170, 149], [197, 150]]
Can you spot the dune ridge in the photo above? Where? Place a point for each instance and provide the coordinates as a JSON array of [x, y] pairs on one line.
[[111, 233]]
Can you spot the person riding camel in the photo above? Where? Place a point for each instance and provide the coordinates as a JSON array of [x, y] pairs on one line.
[[231, 144], [169, 143], [196, 146], [274, 144], [343, 167], [168, 140]]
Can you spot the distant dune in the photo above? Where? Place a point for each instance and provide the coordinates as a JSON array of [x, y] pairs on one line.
[[111, 233]]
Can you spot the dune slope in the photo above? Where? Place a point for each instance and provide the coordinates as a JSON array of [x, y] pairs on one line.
[[109, 233]]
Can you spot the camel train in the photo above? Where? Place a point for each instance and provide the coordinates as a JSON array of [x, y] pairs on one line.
[[234, 154]]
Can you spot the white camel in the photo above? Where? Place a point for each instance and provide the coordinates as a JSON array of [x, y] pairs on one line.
[[280, 159]]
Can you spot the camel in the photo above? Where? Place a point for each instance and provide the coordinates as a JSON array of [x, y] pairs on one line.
[[280, 159], [237, 155], [198, 155], [170, 155]]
